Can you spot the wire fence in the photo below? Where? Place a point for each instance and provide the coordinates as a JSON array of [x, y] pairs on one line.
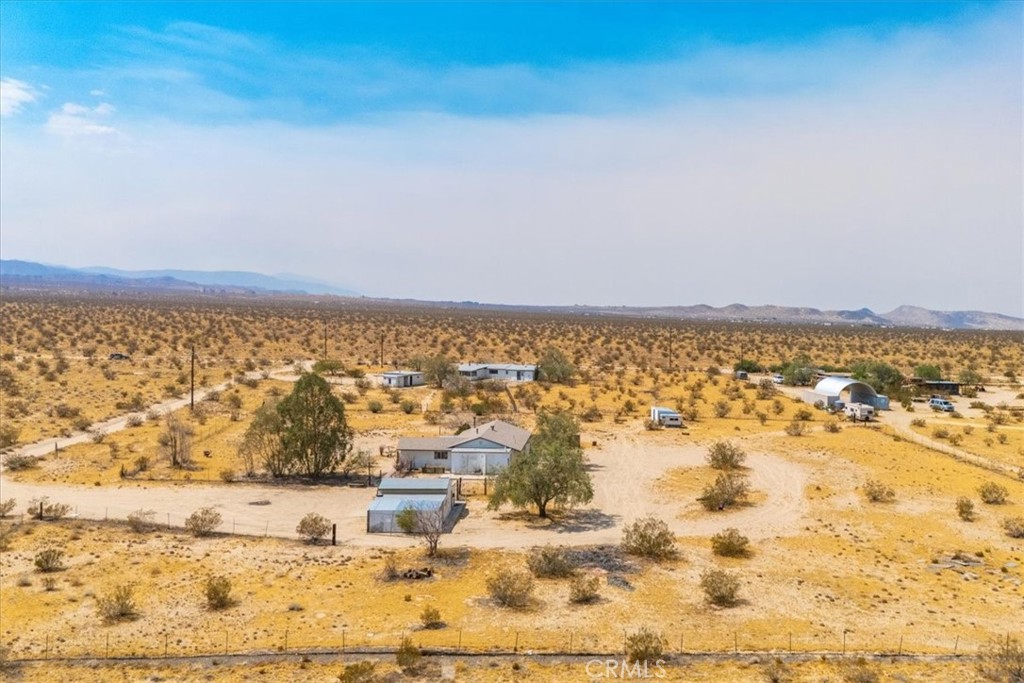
[[113, 642]]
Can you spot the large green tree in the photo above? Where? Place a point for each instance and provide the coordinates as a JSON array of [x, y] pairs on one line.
[[315, 437], [926, 371], [438, 369], [882, 377], [551, 471], [554, 366]]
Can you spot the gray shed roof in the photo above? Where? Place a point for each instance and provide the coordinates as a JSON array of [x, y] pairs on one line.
[[499, 432], [395, 485], [428, 443]]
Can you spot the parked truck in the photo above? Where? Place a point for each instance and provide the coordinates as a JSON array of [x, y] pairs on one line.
[[666, 417]]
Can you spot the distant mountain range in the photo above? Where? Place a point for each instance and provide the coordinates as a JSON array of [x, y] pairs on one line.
[[25, 275]]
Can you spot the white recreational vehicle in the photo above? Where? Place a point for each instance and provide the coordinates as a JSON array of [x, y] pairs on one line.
[[666, 417]]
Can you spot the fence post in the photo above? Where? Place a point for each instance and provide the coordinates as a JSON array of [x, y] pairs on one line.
[[286, 641], [516, 648], [334, 534], [790, 642], [165, 645], [225, 642], [735, 641], [460, 641], [844, 642], [570, 642], [957, 643], [107, 655], [900, 652], [343, 640]]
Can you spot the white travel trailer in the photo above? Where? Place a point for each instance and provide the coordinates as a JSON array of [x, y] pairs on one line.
[[859, 411], [666, 417]]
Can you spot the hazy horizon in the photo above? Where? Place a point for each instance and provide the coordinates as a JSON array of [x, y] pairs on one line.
[[834, 156]]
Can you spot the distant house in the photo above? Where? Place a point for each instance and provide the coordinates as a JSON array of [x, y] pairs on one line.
[[923, 387], [503, 371], [483, 450], [402, 378], [396, 495]]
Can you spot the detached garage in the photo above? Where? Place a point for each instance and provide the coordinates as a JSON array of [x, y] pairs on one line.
[[395, 495]]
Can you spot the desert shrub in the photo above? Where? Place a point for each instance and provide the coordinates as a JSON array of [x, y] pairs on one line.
[[720, 587], [359, 672], [142, 521], [408, 407], [918, 422], [203, 521], [375, 406], [795, 428], [649, 537], [7, 507], [955, 439], [313, 527], [592, 414], [992, 493], [14, 462], [877, 492], [390, 570], [644, 646], [653, 425], [1014, 527], [41, 508], [965, 508], [729, 488], [119, 605], [50, 560], [766, 389], [859, 671], [407, 655], [550, 563], [776, 671], [134, 421], [218, 592], [723, 455], [430, 617], [730, 543], [9, 434], [803, 415], [511, 588], [940, 433], [722, 408], [584, 589], [1002, 660], [142, 463], [832, 426]]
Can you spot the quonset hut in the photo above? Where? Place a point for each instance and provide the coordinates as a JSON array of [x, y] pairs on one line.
[[832, 390]]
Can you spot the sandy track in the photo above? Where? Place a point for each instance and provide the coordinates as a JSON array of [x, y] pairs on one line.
[[624, 471]]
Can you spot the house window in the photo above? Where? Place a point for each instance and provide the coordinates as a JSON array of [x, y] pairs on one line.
[[493, 372], [440, 455]]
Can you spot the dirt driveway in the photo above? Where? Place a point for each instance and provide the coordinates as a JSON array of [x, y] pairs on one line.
[[624, 470]]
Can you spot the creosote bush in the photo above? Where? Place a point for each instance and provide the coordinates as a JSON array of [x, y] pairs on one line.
[[142, 521], [407, 656], [511, 588], [430, 617], [203, 521], [1014, 527], [720, 587], [730, 543], [729, 489], [550, 563], [50, 560], [359, 672], [644, 646], [776, 671], [119, 605], [723, 455], [877, 492], [992, 493], [584, 590], [649, 537], [7, 507], [1002, 660], [218, 592], [965, 508], [313, 527]]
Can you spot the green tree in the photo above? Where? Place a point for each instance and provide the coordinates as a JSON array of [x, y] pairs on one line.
[[314, 435], [970, 375], [552, 469], [330, 367], [882, 377], [555, 367], [261, 443], [798, 372], [439, 369], [929, 372]]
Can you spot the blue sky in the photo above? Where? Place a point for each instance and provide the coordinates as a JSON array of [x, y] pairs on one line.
[[373, 144]]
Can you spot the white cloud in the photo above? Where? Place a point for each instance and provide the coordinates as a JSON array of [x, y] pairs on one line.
[[76, 119], [98, 93], [14, 95]]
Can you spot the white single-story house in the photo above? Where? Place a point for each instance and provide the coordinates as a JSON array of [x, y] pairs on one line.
[[831, 390], [402, 378], [482, 450], [395, 495], [503, 371]]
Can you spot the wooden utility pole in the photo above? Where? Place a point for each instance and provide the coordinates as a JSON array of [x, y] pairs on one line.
[[325, 338], [192, 387], [382, 350]]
